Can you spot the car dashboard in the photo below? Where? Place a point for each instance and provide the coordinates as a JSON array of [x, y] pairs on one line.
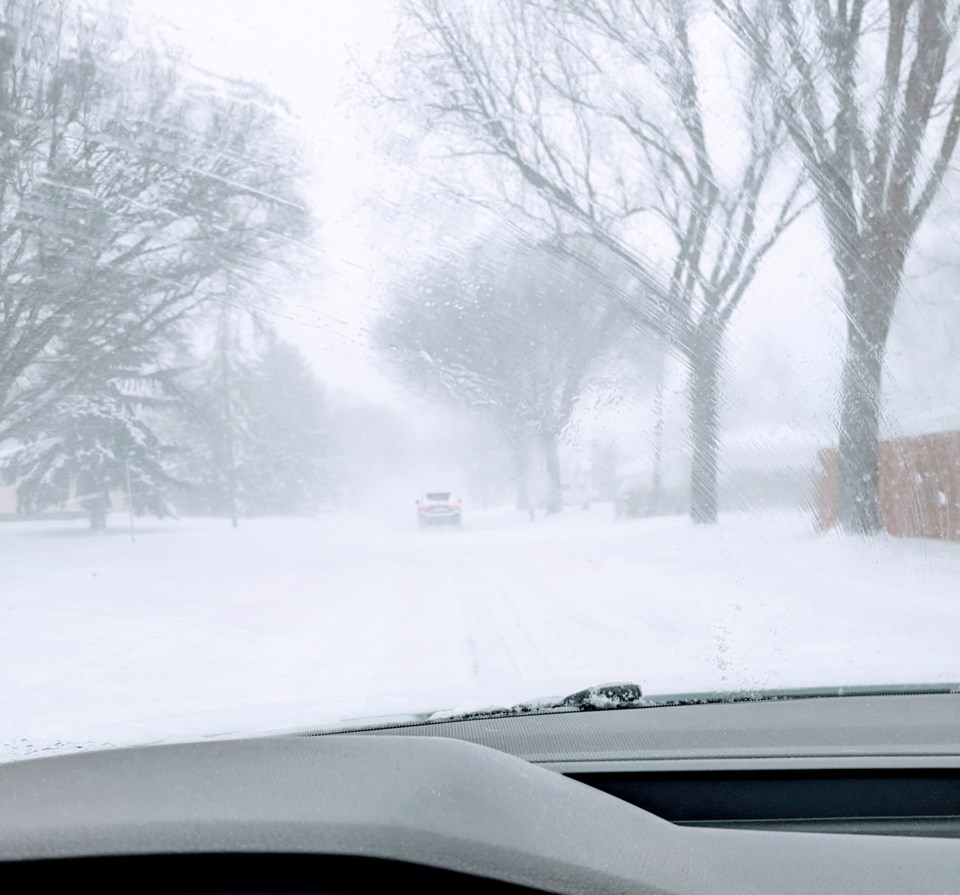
[[845, 794]]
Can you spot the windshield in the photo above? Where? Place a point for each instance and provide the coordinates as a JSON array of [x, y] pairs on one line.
[[665, 293]]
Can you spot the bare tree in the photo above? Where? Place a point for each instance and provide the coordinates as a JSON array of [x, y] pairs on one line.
[[513, 335], [592, 114], [870, 94]]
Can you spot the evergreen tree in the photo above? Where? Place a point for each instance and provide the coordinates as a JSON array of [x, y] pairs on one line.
[[92, 444]]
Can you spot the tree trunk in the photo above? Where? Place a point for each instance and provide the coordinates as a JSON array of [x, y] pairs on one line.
[[554, 485], [656, 498], [870, 299], [859, 508], [97, 511], [705, 367], [226, 383]]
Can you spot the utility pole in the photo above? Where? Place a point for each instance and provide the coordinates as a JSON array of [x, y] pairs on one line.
[[227, 410], [133, 533], [657, 497]]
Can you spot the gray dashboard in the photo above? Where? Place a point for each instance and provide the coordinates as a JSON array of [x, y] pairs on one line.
[[474, 800]]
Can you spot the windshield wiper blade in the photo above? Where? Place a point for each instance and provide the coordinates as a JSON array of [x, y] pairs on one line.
[[602, 697], [793, 693], [629, 696]]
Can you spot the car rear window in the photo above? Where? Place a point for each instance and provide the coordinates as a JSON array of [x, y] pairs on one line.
[[439, 495]]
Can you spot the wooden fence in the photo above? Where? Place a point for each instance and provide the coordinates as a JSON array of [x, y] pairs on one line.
[[919, 486]]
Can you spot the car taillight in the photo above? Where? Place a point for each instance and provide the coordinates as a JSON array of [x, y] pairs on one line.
[[454, 506]]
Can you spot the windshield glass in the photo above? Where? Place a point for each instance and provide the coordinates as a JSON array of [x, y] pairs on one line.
[[666, 293]]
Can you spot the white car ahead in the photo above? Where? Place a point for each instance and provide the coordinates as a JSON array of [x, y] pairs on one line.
[[438, 508]]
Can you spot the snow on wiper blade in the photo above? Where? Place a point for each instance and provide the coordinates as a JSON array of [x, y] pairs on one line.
[[599, 698], [604, 696]]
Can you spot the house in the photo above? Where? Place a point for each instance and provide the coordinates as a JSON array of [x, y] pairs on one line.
[[71, 507]]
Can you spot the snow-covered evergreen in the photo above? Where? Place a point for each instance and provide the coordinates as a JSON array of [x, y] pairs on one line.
[[92, 444]]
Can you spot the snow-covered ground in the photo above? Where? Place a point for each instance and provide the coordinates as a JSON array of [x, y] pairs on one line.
[[197, 629]]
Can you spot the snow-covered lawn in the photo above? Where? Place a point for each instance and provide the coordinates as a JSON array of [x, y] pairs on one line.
[[199, 629]]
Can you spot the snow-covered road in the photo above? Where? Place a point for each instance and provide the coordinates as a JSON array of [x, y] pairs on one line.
[[197, 629]]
